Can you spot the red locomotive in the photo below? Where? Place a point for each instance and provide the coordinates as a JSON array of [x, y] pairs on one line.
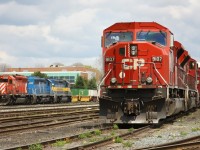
[[12, 87], [198, 79], [147, 75]]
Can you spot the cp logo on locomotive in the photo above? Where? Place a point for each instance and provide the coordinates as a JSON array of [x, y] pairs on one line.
[[129, 64]]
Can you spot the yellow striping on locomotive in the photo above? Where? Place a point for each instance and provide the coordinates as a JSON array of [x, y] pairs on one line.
[[57, 89]]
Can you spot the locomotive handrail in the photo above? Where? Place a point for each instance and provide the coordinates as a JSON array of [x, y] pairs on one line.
[[98, 89], [157, 72], [160, 76]]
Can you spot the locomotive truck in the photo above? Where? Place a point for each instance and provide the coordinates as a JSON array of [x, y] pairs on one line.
[[148, 76]]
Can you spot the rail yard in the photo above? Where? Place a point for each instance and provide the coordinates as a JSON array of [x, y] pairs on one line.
[[78, 126], [148, 98]]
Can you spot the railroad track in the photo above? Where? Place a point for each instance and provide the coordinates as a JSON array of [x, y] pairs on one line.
[[39, 124], [110, 140], [14, 113], [192, 143], [94, 145], [36, 119], [2, 107], [102, 128]]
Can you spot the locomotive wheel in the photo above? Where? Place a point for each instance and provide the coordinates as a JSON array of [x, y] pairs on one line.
[[34, 99], [69, 99], [59, 99], [10, 100], [55, 99], [7, 101]]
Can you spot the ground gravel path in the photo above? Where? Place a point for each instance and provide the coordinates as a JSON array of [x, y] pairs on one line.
[[48, 134], [184, 127]]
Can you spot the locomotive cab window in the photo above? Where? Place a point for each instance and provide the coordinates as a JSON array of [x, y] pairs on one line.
[[114, 37], [158, 37]]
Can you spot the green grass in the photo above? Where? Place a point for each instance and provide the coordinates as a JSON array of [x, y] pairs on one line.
[[118, 140], [60, 143], [93, 140], [127, 144], [115, 127], [195, 129], [97, 132], [113, 133], [130, 130], [85, 135], [159, 136], [182, 133], [35, 147]]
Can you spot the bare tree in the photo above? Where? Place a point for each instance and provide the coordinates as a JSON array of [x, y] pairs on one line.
[[4, 67], [99, 63], [78, 64]]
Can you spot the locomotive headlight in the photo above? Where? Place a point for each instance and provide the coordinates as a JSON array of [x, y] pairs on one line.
[[149, 80], [133, 50], [113, 80]]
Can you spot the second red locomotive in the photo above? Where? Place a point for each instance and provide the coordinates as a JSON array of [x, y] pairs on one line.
[[147, 75]]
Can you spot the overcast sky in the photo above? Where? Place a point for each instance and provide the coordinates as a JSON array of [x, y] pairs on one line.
[[42, 32]]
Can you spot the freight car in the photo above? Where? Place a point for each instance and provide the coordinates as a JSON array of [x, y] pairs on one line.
[[84, 95], [147, 75], [33, 90]]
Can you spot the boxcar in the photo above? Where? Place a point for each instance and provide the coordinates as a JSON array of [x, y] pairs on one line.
[[83, 95]]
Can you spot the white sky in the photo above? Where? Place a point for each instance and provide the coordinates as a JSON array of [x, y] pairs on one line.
[[42, 32]]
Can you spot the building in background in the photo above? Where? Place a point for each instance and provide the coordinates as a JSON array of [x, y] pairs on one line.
[[69, 73]]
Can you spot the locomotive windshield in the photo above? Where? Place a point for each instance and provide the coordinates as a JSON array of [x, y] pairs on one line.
[[114, 37], [159, 37]]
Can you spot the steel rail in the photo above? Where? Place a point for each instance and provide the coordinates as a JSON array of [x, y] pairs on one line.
[[46, 123], [108, 141], [184, 143], [45, 114], [103, 128]]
